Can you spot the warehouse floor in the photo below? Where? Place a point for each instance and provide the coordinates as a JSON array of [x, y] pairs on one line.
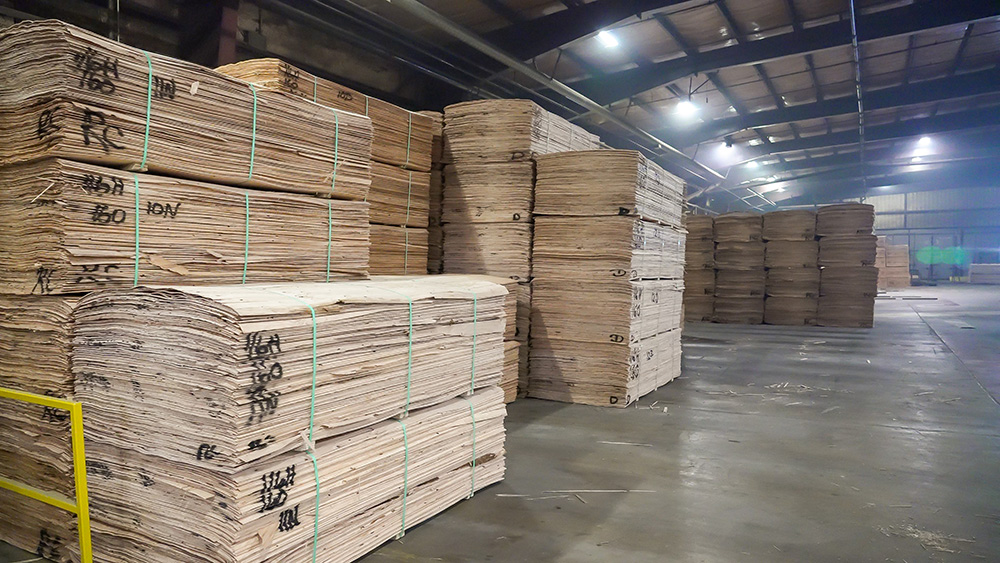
[[777, 444]]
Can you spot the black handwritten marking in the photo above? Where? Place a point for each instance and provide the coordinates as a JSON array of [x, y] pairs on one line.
[[262, 403], [614, 400], [290, 77], [92, 381], [273, 492], [345, 95], [98, 468], [104, 215], [649, 354], [96, 71], [288, 519], [265, 375], [166, 210], [48, 545], [137, 391], [655, 296], [617, 338], [146, 480], [43, 280], [93, 184], [88, 273], [257, 349], [46, 124], [164, 88], [261, 443], [95, 124], [619, 273], [207, 452], [517, 216], [623, 211]]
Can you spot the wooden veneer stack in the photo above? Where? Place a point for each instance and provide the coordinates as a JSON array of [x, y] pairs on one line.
[[791, 250], [740, 275], [893, 263], [608, 265], [435, 234], [293, 414], [849, 278], [69, 228], [490, 148], [402, 152], [699, 268]]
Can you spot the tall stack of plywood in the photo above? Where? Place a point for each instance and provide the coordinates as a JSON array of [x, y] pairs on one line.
[[893, 263], [790, 257], [402, 159], [740, 275], [73, 105], [435, 234], [849, 278], [699, 268], [608, 263], [490, 148], [298, 420]]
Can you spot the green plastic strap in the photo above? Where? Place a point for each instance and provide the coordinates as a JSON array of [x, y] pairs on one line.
[[409, 134], [406, 477], [366, 105], [135, 275], [329, 236], [246, 234], [472, 413], [336, 150], [409, 348], [253, 138], [406, 250], [312, 415], [314, 88], [149, 110], [475, 333], [409, 191]]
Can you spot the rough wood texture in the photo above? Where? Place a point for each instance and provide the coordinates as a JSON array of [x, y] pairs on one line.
[[740, 283], [506, 130], [739, 310], [488, 193], [847, 296], [738, 227], [791, 253], [399, 196], [70, 93], [699, 308], [398, 250], [509, 379], [793, 224], [399, 137], [794, 311], [699, 282], [607, 182], [435, 233], [495, 249], [71, 228], [437, 138], [847, 251], [845, 219], [793, 282], [699, 227], [739, 255]]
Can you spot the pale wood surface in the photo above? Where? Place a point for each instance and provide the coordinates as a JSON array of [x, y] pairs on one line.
[[793, 224], [847, 251], [398, 250], [791, 253], [738, 227], [845, 219], [488, 193], [795, 311], [496, 249], [399, 196]]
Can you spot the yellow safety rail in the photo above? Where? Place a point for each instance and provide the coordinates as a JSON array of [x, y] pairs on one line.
[[81, 507]]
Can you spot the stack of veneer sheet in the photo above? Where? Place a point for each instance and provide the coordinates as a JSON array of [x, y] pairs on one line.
[[435, 235], [791, 251], [608, 266], [70, 228], [740, 276], [849, 279], [73, 94], [893, 263], [699, 268], [984, 273], [398, 250], [274, 436]]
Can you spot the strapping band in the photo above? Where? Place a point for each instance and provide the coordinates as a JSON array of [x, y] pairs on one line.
[[135, 275], [149, 110], [472, 413], [336, 150], [312, 417], [314, 88], [409, 191], [366, 105], [246, 234], [475, 333], [406, 250], [409, 135], [329, 236], [406, 478], [253, 138]]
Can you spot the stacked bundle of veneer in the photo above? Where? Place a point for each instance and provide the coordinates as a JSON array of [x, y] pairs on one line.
[[608, 266], [402, 147], [699, 268], [792, 285], [893, 263], [274, 434], [740, 275], [435, 235], [849, 278]]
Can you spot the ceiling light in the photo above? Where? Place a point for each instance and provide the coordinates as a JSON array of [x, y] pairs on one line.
[[607, 39], [752, 164], [916, 159], [755, 142], [924, 141], [687, 107], [781, 190]]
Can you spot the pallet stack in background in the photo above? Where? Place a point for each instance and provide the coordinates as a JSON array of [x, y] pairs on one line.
[[849, 278], [401, 161], [608, 263], [988, 274], [699, 268], [225, 154], [790, 256], [893, 263], [740, 275], [489, 183]]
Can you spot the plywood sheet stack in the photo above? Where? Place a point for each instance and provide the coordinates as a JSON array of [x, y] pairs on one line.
[[402, 153], [608, 264], [699, 268], [490, 148], [435, 235], [849, 278], [298, 419], [984, 273], [740, 275], [67, 228], [791, 254], [893, 263]]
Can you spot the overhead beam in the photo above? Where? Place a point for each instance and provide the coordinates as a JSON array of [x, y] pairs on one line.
[[531, 38], [905, 20], [960, 86]]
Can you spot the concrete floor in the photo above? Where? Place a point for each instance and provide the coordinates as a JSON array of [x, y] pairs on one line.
[[777, 444]]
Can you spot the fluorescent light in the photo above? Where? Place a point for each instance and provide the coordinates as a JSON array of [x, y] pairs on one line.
[[780, 190], [607, 39], [916, 159], [752, 164], [687, 107], [924, 141]]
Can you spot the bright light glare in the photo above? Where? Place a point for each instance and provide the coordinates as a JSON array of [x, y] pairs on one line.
[[607, 39], [687, 107], [924, 141], [752, 164], [916, 159], [727, 148], [781, 190]]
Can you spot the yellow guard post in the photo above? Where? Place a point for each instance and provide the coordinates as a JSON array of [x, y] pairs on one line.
[[81, 507]]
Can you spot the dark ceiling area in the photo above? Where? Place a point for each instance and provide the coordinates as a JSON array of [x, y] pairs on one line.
[[754, 102]]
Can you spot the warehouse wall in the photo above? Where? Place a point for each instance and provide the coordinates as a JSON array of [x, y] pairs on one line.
[[946, 229]]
